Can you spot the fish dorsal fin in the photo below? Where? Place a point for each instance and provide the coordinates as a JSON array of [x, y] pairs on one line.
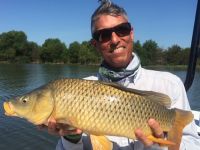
[[157, 97], [100, 143], [160, 98]]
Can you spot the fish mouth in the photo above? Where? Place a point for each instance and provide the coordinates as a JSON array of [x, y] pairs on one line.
[[8, 109]]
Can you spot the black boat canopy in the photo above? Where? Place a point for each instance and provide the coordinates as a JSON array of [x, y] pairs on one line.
[[195, 50]]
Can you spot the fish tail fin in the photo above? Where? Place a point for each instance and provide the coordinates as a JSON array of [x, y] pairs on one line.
[[100, 143], [181, 120]]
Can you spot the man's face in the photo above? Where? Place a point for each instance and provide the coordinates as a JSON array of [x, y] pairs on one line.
[[116, 50]]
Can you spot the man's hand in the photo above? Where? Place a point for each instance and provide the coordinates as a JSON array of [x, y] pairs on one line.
[[156, 129], [59, 128]]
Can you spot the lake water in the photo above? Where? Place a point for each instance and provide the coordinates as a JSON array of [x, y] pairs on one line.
[[18, 134]]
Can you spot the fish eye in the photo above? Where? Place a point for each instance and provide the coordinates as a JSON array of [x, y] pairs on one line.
[[24, 99]]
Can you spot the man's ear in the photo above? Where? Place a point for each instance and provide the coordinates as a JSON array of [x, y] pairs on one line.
[[132, 34], [93, 42]]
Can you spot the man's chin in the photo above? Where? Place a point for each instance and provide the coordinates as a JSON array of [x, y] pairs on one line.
[[119, 64]]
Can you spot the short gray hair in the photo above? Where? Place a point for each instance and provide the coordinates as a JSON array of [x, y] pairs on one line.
[[107, 8]]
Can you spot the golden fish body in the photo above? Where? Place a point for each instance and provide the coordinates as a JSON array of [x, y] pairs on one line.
[[106, 110], [97, 108]]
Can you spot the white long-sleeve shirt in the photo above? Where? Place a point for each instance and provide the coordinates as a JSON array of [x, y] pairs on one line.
[[148, 80]]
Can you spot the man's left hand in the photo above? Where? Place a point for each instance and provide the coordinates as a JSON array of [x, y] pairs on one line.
[[156, 129]]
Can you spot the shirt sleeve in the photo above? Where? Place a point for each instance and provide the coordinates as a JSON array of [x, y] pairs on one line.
[[83, 144], [66, 145]]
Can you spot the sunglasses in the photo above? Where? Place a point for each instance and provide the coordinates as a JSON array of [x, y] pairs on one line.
[[105, 35]]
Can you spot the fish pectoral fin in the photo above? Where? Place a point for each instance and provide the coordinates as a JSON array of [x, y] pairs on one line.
[[101, 143], [160, 141]]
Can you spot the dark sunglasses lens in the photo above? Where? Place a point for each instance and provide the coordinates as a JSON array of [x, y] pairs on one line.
[[105, 35], [123, 29]]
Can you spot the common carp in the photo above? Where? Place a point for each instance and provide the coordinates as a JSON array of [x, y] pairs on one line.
[[99, 108]]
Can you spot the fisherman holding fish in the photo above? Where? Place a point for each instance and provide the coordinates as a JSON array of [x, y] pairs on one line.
[[122, 74], [113, 38]]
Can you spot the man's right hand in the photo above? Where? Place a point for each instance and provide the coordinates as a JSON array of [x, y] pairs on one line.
[[60, 129]]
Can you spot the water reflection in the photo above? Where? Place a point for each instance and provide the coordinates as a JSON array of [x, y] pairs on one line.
[[19, 79]]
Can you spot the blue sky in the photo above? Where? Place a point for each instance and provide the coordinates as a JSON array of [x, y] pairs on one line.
[[167, 22]]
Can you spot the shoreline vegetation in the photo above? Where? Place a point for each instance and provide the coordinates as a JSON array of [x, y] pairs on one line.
[[15, 48]]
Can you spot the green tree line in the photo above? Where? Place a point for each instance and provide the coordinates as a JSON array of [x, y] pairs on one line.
[[15, 48]]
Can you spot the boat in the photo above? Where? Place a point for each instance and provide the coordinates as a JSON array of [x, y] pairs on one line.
[[194, 54]]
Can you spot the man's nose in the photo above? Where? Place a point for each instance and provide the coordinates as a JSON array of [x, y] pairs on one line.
[[114, 38]]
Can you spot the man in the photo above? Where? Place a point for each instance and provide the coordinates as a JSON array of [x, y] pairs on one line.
[[113, 38]]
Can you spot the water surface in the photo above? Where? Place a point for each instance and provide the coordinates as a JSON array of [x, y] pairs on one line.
[[17, 79]]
